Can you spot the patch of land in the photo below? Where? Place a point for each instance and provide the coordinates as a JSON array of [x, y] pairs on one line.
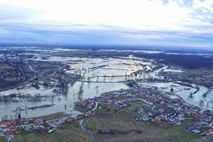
[[54, 116], [121, 126], [203, 76], [204, 139]]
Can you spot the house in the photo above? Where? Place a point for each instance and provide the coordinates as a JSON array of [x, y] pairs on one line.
[[46, 128], [1, 134], [26, 121], [36, 126], [61, 121], [69, 119], [52, 123], [141, 110], [36, 120], [13, 128], [157, 121], [12, 122], [93, 113], [144, 118], [4, 124], [29, 128], [7, 131], [80, 116]]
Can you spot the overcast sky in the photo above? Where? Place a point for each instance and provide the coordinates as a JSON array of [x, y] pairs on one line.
[[184, 23]]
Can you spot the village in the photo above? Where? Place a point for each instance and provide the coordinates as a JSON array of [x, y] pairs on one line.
[[160, 109]]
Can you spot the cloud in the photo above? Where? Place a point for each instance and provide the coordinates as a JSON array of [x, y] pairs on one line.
[[165, 2], [107, 35], [200, 11], [16, 14], [141, 22], [185, 3], [203, 14], [170, 38], [59, 35]]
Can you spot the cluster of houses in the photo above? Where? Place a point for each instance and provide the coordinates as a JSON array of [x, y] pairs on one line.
[[118, 99], [162, 108], [11, 127], [87, 107], [174, 111], [86, 115], [87, 104]]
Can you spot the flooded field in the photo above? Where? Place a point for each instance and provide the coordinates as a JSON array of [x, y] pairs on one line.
[[184, 92], [77, 92]]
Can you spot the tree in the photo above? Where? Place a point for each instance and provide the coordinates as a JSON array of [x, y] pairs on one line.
[[19, 116], [44, 121], [191, 95], [171, 90]]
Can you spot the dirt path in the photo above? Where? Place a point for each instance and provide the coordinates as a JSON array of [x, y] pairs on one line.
[[87, 131]]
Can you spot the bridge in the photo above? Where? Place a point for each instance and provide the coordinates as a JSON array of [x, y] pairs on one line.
[[100, 81]]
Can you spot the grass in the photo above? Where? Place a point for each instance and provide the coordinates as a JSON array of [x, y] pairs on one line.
[[125, 120], [137, 104], [6, 67], [54, 116], [181, 132], [188, 121], [2, 140]]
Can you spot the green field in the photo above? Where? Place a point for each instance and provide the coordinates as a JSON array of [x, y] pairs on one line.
[[54, 116]]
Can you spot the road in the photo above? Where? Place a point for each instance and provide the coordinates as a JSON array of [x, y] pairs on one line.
[[87, 130]]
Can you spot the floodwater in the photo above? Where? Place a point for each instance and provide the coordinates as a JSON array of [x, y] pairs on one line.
[[95, 82], [99, 76], [77, 92], [210, 95]]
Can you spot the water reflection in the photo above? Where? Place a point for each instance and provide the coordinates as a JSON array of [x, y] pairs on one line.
[[80, 92]]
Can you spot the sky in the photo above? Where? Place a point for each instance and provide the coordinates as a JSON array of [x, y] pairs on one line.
[[169, 23]]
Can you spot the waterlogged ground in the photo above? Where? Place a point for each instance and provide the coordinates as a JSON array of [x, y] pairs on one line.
[[184, 92]]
